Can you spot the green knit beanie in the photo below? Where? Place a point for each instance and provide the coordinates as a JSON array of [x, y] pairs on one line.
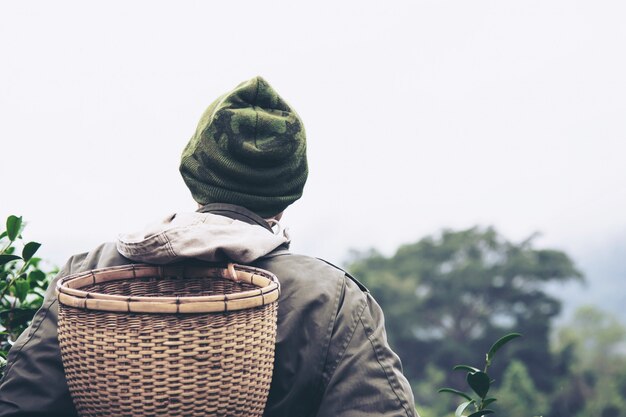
[[249, 149]]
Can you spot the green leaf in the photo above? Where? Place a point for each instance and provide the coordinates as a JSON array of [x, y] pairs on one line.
[[3, 234], [466, 368], [488, 401], [481, 413], [499, 343], [461, 408], [457, 392], [29, 250], [480, 382], [21, 289], [36, 276], [8, 258], [14, 225]]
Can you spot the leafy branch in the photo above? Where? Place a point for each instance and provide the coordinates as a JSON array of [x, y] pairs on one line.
[[480, 382], [22, 284]]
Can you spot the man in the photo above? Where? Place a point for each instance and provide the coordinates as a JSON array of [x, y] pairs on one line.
[[244, 165]]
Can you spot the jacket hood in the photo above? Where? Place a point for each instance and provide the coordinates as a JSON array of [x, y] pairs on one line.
[[204, 236]]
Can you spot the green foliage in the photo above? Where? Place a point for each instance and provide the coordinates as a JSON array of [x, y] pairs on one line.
[[590, 350], [22, 284], [480, 382]]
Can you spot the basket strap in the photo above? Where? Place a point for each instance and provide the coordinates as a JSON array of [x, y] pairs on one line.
[[233, 272]]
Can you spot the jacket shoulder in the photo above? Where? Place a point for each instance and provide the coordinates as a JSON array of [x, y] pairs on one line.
[[302, 267], [348, 275]]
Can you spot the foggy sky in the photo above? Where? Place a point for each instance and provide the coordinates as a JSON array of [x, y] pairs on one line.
[[419, 115]]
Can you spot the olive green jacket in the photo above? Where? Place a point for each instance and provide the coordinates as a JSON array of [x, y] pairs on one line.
[[332, 356]]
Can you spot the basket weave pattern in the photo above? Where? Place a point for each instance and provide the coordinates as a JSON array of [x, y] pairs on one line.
[[150, 364]]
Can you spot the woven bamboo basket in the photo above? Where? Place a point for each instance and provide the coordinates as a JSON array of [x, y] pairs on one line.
[[144, 340]]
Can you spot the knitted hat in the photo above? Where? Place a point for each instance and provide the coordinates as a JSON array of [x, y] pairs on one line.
[[249, 149]]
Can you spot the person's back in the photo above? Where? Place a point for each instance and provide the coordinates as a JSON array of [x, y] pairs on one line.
[[332, 357]]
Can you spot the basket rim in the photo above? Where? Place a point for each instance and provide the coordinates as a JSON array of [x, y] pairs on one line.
[[70, 294]]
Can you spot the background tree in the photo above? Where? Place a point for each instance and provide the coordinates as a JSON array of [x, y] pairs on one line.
[[446, 297], [591, 347], [518, 396]]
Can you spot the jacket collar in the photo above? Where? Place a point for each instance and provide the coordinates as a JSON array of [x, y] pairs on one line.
[[235, 212]]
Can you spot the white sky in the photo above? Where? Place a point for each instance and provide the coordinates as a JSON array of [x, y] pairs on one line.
[[419, 114]]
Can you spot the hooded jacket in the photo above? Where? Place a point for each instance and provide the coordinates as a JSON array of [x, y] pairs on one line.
[[332, 357]]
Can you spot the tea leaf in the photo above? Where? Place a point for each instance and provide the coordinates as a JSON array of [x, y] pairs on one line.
[[457, 392], [36, 276], [499, 343], [466, 368], [21, 289], [461, 408], [480, 382], [488, 401], [14, 224], [8, 258], [29, 250]]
